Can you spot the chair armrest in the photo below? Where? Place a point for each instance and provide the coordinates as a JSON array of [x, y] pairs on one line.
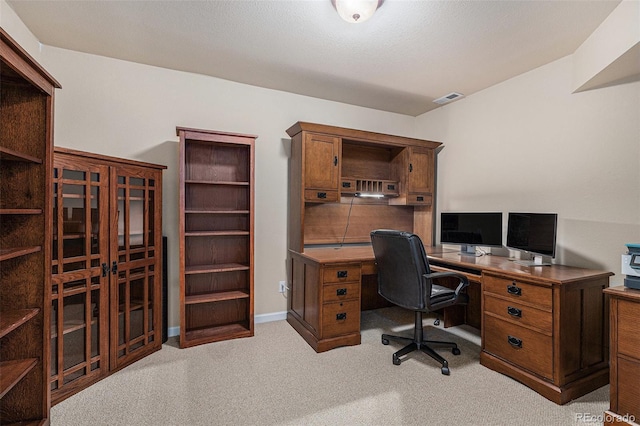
[[464, 281]]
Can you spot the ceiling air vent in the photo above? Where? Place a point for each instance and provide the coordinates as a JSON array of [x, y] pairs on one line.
[[448, 98]]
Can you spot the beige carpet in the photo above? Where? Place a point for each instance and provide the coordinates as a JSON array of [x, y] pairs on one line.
[[275, 378]]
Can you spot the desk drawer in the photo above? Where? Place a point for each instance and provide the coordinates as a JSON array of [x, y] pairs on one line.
[[341, 273], [321, 196], [340, 318], [510, 309], [628, 330], [628, 389], [518, 290], [529, 350], [340, 292], [419, 199]]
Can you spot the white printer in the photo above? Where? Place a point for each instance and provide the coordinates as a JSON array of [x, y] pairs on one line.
[[631, 266]]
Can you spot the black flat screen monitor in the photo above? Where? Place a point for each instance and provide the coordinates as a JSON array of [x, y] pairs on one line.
[[533, 232], [471, 230]]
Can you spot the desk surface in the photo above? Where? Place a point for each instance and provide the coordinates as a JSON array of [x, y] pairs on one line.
[[444, 257]]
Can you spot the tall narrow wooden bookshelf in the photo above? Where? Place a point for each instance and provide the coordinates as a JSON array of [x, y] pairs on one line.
[[26, 144], [216, 235]]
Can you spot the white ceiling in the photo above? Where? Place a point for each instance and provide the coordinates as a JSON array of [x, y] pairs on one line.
[[408, 54]]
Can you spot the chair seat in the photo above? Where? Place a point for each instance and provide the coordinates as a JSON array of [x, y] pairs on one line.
[[440, 293]]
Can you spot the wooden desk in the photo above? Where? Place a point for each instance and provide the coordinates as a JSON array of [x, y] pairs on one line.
[[625, 356], [543, 326]]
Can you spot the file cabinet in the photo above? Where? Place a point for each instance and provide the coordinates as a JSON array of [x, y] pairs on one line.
[[335, 289], [625, 356], [546, 330]]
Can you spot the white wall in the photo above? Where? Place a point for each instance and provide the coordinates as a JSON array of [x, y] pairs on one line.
[[130, 110], [529, 144], [526, 144]]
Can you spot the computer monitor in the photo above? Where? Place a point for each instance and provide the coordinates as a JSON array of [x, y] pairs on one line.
[[471, 229], [534, 233]]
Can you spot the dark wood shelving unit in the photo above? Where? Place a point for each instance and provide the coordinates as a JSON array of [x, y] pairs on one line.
[[26, 146], [216, 236]]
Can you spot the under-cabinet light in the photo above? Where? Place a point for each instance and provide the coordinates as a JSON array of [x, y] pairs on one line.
[[368, 195]]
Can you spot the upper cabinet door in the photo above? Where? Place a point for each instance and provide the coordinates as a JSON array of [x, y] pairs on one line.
[[420, 170], [321, 166]]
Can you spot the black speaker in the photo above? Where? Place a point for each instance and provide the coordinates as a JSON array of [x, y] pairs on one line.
[[165, 292]]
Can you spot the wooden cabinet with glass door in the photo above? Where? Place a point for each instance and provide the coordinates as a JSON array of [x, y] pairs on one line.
[[105, 299]]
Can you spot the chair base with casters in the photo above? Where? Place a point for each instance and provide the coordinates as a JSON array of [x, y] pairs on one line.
[[418, 343]]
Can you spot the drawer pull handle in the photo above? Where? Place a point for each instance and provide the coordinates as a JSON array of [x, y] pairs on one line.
[[391, 187], [342, 274], [515, 342], [346, 184], [419, 198], [514, 312], [341, 316], [322, 195], [341, 292], [514, 289]]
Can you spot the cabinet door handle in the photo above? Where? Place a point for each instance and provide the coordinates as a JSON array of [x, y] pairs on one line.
[[114, 268], [321, 195], [514, 312], [515, 342], [514, 289], [341, 292], [341, 316], [105, 269], [410, 167], [335, 160], [342, 274]]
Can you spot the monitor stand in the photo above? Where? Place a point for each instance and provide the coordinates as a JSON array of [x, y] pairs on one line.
[[537, 261], [468, 250]]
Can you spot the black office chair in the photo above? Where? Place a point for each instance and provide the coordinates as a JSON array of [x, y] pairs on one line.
[[405, 279]]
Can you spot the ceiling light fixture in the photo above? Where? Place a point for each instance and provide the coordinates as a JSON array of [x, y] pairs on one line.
[[356, 11]]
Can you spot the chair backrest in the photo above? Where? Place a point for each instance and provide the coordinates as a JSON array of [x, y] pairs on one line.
[[401, 261]]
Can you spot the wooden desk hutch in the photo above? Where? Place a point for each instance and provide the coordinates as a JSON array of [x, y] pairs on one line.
[[544, 327], [328, 167]]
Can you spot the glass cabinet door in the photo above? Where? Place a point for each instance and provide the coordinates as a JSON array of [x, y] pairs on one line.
[[136, 260], [79, 293]]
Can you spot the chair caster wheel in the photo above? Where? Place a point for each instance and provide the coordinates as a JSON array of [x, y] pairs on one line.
[[445, 371], [455, 351], [396, 360], [437, 322], [385, 341]]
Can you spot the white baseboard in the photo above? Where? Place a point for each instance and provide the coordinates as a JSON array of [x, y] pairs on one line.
[[258, 319], [273, 316]]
